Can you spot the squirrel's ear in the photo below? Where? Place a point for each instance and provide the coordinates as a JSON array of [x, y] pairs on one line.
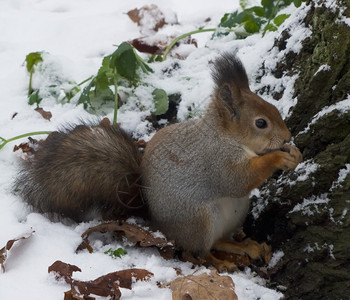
[[230, 98]]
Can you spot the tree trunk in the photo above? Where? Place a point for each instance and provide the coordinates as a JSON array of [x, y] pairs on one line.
[[306, 213]]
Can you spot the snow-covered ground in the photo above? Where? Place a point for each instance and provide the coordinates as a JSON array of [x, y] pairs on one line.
[[77, 34]]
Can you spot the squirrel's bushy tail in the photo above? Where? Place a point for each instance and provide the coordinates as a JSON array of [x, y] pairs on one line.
[[78, 172]]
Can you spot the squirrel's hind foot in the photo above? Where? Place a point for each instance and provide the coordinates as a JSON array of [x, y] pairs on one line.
[[248, 247], [220, 265]]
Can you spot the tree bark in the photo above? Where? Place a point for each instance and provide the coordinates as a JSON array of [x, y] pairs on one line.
[[306, 213]]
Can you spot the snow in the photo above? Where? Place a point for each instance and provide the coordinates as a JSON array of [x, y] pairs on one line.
[[304, 170], [310, 205], [343, 173], [77, 34], [276, 257], [341, 106]]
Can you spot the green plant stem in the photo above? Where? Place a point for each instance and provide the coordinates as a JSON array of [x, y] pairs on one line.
[[30, 82], [86, 80], [273, 14], [171, 45], [4, 141], [115, 98]]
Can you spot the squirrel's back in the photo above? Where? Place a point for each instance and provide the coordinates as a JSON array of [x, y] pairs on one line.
[[82, 171]]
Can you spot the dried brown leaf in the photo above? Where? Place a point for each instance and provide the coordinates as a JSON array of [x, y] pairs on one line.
[[142, 45], [28, 149], [8, 246], [242, 253], [106, 285], [74, 295], [158, 45], [63, 270], [148, 17], [237, 259], [204, 286], [133, 233], [45, 114]]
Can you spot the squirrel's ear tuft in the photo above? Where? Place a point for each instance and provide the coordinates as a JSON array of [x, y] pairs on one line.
[[228, 69]]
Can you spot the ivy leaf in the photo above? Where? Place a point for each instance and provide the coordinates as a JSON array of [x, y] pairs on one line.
[[161, 102], [280, 19], [32, 59]]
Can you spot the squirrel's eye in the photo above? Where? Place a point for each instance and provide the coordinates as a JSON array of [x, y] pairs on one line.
[[260, 123]]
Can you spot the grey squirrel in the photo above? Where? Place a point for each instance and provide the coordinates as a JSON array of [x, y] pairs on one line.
[[195, 176]]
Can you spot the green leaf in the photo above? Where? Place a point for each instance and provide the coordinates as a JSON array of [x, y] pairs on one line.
[[251, 24], [243, 3], [85, 95], [268, 8], [32, 59], [232, 19], [270, 27], [102, 91], [71, 92], [141, 63], [297, 3], [116, 253], [280, 19], [107, 69], [161, 102], [34, 98], [124, 60], [251, 27], [267, 3], [258, 10]]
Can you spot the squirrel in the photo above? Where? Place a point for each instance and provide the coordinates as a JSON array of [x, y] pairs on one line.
[[195, 177]]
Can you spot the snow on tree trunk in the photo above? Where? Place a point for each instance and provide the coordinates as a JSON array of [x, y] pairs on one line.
[[306, 213]]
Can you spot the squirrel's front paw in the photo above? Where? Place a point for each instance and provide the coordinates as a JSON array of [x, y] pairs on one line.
[[288, 157]]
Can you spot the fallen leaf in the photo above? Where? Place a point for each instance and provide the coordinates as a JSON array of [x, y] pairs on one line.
[[74, 295], [158, 44], [63, 270], [106, 285], [242, 252], [28, 149], [45, 114], [239, 260], [204, 286], [145, 45], [9, 244], [150, 18], [133, 233]]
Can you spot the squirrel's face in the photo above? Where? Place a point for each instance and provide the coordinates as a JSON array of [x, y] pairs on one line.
[[256, 123], [260, 125]]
